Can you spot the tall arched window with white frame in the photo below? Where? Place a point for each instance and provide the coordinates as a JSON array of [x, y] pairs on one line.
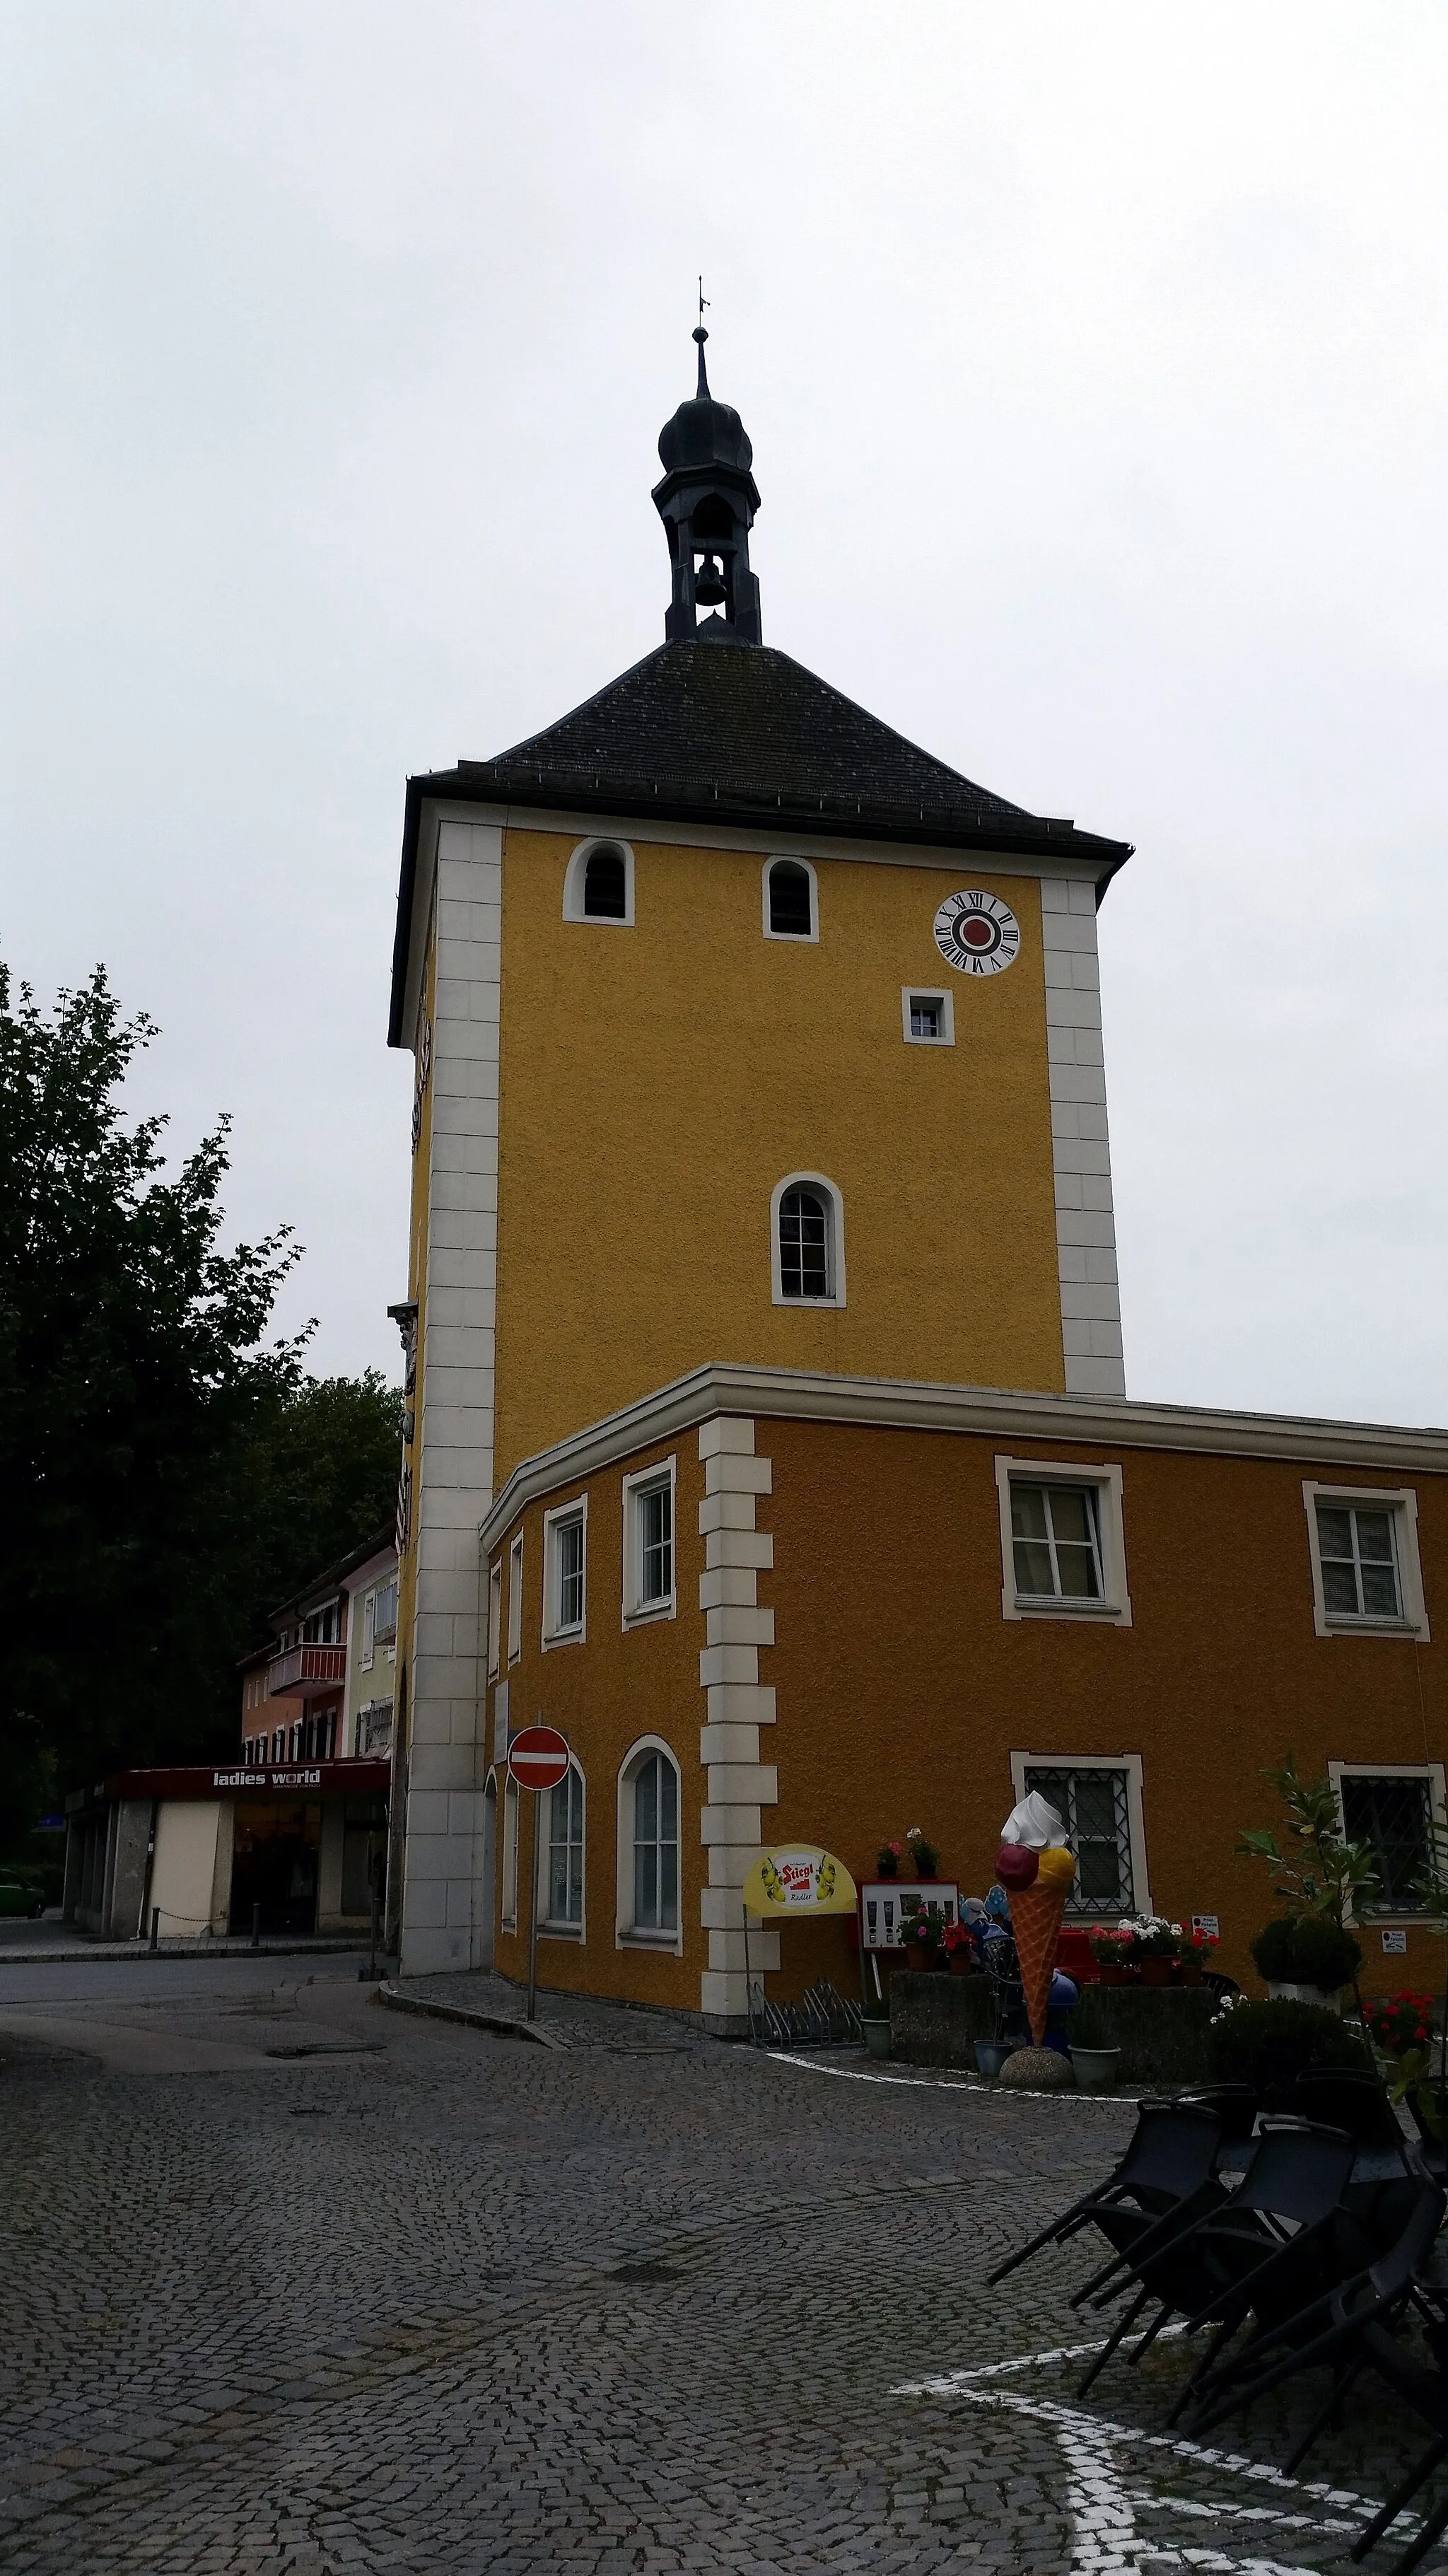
[[565, 1854], [807, 1242], [655, 1803]]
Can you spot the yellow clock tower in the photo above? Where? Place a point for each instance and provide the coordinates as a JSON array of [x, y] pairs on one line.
[[745, 1030]]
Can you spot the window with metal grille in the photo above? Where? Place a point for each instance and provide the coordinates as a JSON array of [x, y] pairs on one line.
[[791, 906], [804, 1244], [656, 1845], [565, 1850], [1394, 1815], [1358, 1550], [1056, 1542], [1092, 1804]]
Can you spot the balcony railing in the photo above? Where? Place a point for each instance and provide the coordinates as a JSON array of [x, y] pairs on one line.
[[305, 1672]]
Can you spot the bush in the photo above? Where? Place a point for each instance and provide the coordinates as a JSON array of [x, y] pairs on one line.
[[1268, 2045], [1306, 1950]]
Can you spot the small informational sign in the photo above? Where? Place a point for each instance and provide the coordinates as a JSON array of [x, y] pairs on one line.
[[1395, 1944], [885, 1903], [1208, 1923], [798, 1878]]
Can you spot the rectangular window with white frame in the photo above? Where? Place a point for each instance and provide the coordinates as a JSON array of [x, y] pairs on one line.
[[1098, 1798], [1367, 1579], [648, 1544], [1063, 1544], [495, 1619], [564, 1912], [1398, 1810], [515, 1599], [928, 1017], [565, 1559], [369, 1631]]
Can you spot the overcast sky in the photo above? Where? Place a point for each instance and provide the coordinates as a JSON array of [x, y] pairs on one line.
[[1096, 364]]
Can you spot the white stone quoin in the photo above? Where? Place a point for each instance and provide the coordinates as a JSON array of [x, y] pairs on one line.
[[739, 1785], [453, 1487], [1085, 1219]]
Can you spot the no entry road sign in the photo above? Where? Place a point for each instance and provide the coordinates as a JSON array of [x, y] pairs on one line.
[[538, 1757]]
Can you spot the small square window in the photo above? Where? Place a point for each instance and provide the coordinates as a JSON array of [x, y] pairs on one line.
[[1063, 1541], [927, 1018]]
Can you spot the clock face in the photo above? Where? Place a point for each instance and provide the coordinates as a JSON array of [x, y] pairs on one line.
[[977, 933]]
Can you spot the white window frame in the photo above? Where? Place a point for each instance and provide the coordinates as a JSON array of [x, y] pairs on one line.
[[662, 1475], [564, 1515], [369, 1623], [1433, 1773], [576, 872], [509, 1875], [928, 993], [792, 938], [495, 1618], [626, 1936], [552, 1928], [834, 1246], [1402, 1502], [515, 1599], [1130, 1763], [1114, 1607]]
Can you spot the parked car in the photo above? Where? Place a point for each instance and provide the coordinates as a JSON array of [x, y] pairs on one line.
[[22, 1896]]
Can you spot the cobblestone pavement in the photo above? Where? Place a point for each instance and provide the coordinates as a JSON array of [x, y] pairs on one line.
[[413, 2297]]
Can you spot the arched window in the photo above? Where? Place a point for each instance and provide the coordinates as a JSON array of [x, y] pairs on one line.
[[656, 1845], [808, 1245], [598, 884], [648, 1857], [510, 1854], [791, 909], [565, 1854]]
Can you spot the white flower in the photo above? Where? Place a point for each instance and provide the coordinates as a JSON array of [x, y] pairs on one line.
[[1177, 1929]]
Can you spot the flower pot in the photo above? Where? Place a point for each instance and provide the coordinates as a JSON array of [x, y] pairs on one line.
[[1190, 1971], [1155, 1972], [918, 1958], [1111, 1975], [887, 1866], [990, 2056], [877, 2037], [1095, 2068], [925, 1869], [962, 1963]]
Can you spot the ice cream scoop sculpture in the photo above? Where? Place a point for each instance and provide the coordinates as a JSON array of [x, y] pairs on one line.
[[1034, 1865]]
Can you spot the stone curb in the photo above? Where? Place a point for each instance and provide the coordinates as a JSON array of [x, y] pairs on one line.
[[111, 1950], [507, 2024]]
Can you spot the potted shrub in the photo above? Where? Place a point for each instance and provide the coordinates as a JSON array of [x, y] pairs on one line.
[[1111, 1948], [959, 1950], [924, 1858], [1305, 1957], [887, 1861], [1268, 2045]]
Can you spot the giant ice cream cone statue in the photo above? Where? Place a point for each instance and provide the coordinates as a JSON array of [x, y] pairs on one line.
[[1036, 1869]]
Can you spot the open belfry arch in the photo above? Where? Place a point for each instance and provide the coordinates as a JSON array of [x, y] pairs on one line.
[[649, 1118]]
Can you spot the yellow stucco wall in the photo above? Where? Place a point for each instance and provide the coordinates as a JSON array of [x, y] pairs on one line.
[[658, 1080]]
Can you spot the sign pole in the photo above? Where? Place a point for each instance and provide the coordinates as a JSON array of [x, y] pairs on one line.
[[532, 2013], [538, 1760]]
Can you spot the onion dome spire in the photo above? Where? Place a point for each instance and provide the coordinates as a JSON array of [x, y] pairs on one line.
[[707, 501]]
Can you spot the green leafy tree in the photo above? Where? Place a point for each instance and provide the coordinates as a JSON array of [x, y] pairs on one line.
[[1321, 1872], [167, 1472]]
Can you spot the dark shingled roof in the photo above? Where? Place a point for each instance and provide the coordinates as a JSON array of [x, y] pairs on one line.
[[745, 735]]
